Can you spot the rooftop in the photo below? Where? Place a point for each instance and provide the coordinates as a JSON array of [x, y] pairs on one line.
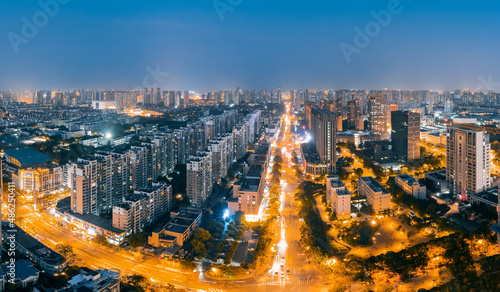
[[187, 214], [250, 184], [181, 221], [97, 221], [176, 228], [166, 237], [311, 155], [374, 184], [408, 179], [64, 205], [255, 171], [135, 197], [28, 156], [263, 149], [36, 247], [24, 269], [438, 175], [490, 195], [343, 192], [335, 181]]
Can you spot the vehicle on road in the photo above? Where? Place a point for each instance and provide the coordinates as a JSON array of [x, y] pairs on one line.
[[282, 274], [288, 271]]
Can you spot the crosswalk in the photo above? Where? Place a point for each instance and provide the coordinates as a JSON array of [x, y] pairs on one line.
[[215, 290], [289, 283]]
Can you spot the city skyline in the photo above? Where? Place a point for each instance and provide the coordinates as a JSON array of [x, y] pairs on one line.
[[215, 45], [235, 145]]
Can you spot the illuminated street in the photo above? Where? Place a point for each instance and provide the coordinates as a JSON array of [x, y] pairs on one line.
[[250, 146]]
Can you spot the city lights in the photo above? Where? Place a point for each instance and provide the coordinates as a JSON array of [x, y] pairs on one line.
[[230, 146]]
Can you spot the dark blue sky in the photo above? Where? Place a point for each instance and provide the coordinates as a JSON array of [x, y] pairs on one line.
[[260, 45]]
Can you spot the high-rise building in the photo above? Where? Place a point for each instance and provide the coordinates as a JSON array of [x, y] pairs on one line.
[[236, 96], [159, 200], [406, 135], [377, 109], [220, 150], [339, 197], [186, 98], [199, 178], [468, 161], [392, 107], [131, 215], [85, 179], [240, 141], [116, 167], [138, 164], [157, 97], [295, 97], [179, 101], [355, 113], [182, 145], [164, 146], [143, 208], [308, 105], [324, 131]]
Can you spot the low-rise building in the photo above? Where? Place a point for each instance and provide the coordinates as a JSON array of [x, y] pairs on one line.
[[380, 151], [95, 281], [436, 139], [260, 155], [339, 197], [411, 186], [376, 195], [93, 225], [248, 192], [22, 272], [33, 171], [73, 134], [89, 281], [487, 197], [313, 165], [355, 137], [437, 180], [178, 230], [48, 260]]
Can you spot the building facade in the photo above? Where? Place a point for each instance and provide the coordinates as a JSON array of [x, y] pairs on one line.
[[377, 110], [405, 135], [411, 186], [199, 178], [339, 197], [376, 195], [468, 161], [324, 131]]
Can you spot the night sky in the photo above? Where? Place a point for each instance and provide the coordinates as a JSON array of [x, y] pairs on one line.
[[107, 44]]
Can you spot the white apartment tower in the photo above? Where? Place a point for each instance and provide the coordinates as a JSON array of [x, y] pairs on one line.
[[468, 161], [83, 178], [199, 177]]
